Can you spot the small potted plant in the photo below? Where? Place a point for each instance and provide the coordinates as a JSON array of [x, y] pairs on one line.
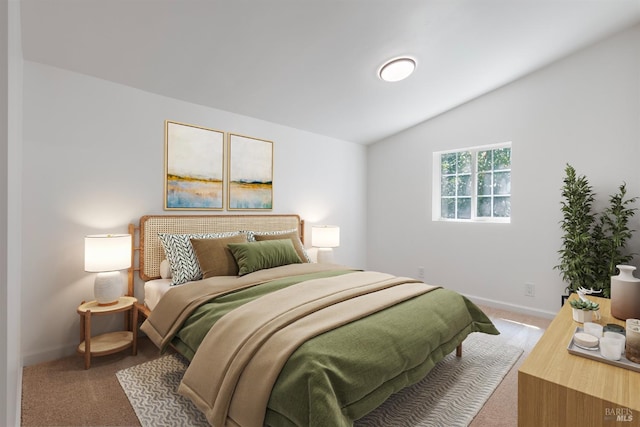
[[583, 310]]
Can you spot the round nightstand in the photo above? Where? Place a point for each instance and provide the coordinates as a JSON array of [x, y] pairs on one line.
[[111, 342]]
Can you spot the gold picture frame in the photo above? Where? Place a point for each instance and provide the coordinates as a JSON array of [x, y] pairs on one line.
[[194, 167], [250, 173]]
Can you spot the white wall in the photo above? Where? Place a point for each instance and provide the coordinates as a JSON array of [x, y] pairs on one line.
[[10, 256], [583, 110], [94, 162], [5, 369]]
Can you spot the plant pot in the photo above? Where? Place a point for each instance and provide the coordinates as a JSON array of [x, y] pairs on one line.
[[582, 316], [625, 294]]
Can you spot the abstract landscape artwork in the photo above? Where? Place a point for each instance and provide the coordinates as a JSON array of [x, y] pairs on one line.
[[250, 173], [194, 167]]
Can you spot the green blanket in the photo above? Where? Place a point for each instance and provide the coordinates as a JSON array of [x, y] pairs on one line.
[[188, 339], [341, 375]]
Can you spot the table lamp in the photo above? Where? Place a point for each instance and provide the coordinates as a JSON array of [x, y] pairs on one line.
[[106, 254], [325, 238]]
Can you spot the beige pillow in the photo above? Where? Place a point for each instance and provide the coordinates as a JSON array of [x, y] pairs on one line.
[[214, 256], [165, 269], [293, 235]]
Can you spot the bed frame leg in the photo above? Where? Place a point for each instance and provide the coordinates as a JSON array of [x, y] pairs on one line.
[[459, 350]]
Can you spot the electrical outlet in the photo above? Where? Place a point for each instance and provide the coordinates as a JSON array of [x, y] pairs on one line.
[[421, 273], [529, 290]]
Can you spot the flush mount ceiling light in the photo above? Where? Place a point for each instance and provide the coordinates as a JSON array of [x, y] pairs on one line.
[[397, 69]]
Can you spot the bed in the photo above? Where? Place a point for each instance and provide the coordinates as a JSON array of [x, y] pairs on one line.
[[281, 341]]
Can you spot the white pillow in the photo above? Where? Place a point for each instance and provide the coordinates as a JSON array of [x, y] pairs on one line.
[[181, 256], [165, 269]]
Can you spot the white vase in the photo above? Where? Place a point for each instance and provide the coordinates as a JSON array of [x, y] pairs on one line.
[[625, 294], [582, 316]]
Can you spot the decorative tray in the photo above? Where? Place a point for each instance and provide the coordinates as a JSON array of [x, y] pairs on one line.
[[595, 355]]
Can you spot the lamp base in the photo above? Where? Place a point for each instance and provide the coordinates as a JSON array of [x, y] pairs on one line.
[[107, 288], [325, 255]]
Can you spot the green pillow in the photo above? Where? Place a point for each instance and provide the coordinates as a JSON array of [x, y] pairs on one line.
[[256, 256]]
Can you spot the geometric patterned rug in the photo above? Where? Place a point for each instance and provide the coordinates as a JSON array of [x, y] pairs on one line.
[[453, 392], [151, 387], [451, 395]]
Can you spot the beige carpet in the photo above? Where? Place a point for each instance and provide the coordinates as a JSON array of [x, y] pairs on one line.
[[63, 393]]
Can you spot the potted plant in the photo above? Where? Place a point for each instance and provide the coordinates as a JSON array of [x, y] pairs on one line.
[[576, 262], [592, 244], [610, 234], [583, 310]]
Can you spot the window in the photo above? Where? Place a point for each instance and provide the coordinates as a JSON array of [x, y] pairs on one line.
[[473, 184]]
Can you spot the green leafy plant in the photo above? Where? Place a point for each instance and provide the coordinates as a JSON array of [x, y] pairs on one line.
[[611, 234], [584, 305], [592, 244], [576, 261]]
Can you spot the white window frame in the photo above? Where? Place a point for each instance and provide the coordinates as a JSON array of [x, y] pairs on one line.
[[436, 207]]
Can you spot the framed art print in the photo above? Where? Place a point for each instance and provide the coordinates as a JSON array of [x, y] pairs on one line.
[[250, 183], [194, 167]]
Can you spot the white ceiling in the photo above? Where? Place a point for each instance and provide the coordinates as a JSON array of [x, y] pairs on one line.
[[311, 64]]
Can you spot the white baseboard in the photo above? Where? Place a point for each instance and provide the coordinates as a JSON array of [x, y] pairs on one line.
[[56, 353], [18, 420], [511, 307], [49, 355]]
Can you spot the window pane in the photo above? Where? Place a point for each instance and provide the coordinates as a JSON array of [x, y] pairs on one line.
[[464, 208], [464, 162], [448, 163], [502, 207], [448, 208], [502, 183], [475, 184], [464, 185], [484, 184], [502, 158], [484, 161], [484, 206], [448, 186]]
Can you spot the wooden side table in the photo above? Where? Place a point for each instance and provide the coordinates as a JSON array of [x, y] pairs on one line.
[[111, 342]]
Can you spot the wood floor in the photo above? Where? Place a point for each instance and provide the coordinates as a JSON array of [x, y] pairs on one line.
[[62, 392]]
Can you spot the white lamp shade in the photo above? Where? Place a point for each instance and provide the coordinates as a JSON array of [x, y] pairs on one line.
[[107, 252], [325, 236]]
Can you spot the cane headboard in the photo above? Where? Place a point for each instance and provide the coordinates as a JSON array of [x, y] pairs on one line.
[[151, 251]]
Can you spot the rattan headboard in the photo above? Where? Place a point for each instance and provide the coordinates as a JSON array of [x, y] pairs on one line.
[[151, 251]]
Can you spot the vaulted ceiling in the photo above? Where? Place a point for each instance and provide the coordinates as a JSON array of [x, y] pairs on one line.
[[312, 64]]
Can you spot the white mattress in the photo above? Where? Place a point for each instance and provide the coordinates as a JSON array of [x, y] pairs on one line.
[[154, 290]]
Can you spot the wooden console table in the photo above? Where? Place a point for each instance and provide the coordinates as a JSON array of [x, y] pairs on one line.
[[556, 388]]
